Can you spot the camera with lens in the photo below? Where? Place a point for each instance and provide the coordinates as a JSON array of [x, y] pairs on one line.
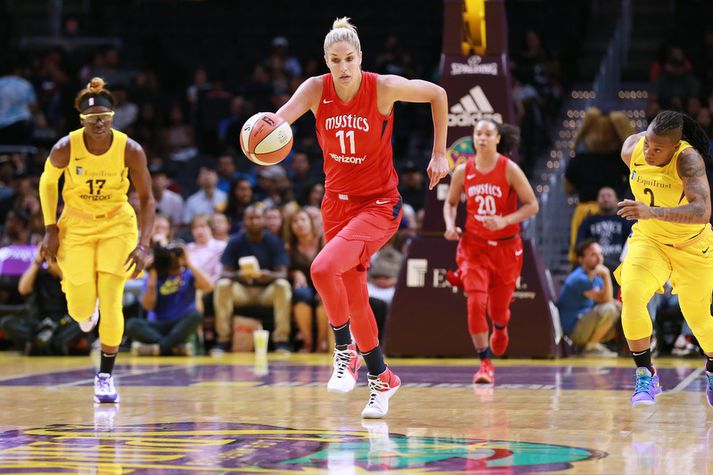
[[167, 259]]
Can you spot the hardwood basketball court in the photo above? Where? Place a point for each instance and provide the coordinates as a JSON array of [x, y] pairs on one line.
[[226, 415]]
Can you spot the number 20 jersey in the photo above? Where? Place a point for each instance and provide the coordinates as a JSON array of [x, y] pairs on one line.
[[662, 187], [356, 141], [489, 194]]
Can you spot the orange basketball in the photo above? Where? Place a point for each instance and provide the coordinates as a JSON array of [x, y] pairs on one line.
[[266, 139]]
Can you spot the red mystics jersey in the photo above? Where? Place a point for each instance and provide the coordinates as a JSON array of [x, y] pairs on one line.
[[356, 141], [489, 194]]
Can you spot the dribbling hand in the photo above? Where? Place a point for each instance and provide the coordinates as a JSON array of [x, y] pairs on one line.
[[138, 259], [453, 234], [437, 169]]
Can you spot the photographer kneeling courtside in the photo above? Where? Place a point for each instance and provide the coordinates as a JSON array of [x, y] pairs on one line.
[[169, 296]]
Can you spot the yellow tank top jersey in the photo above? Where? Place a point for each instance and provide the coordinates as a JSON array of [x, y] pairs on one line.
[[661, 187], [96, 184]]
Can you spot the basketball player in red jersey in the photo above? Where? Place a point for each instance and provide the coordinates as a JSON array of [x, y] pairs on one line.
[[489, 254], [361, 207]]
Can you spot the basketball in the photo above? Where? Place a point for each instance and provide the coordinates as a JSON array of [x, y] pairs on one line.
[[266, 139]]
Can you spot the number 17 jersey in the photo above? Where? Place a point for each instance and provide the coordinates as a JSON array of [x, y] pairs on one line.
[[356, 141], [489, 194]]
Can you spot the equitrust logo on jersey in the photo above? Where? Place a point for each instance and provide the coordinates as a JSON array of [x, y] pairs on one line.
[[471, 108]]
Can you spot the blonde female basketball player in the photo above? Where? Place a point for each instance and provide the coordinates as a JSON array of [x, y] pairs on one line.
[[672, 239], [361, 209], [96, 240]]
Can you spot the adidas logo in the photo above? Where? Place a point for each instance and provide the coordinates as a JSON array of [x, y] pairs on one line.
[[471, 108]]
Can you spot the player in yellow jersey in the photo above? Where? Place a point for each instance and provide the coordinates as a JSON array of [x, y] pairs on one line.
[[96, 241], [671, 240]]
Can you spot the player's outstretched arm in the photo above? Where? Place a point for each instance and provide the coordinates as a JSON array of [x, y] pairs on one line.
[[305, 98]]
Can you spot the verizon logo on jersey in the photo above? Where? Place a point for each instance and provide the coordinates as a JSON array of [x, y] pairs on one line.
[[347, 121], [485, 189], [347, 159]]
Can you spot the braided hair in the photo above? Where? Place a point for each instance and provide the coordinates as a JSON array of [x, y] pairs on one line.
[[679, 126]]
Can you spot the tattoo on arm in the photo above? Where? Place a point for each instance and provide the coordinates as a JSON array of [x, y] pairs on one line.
[[692, 171]]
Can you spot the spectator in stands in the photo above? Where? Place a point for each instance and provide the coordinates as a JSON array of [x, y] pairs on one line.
[[229, 127], [220, 226], [199, 86], [17, 228], [169, 295], [393, 59], [280, 51], [240, 197], [301, 173], [312, 195], [270, 183], [383, 273], [177, 140], [228, 173], [206, 251], [304, 241], [675, 84], [46, 328], [208, 199], [125, 112], [167, 202], [18, 104], [588, 311], [213, 106], [273, 220], [242, 284], [663, 58], [607, 228], [598, 165], [162, 232], [412, 185]]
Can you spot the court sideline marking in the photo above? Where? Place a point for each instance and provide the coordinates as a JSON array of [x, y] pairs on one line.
[[686, 381]]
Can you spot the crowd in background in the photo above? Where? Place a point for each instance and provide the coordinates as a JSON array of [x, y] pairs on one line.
[[209, 196]]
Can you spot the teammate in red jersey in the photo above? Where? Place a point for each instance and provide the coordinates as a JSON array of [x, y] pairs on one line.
[[489, 254], [361, 207]]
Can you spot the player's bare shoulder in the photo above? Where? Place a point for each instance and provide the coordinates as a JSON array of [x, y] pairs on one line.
[[312, 90], [627, 149], [60, 152], [690, 164], [134, 153]]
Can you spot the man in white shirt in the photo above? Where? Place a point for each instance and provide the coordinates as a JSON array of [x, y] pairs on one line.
[[208, 199]]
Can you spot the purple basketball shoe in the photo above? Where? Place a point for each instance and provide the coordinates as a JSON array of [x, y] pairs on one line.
[[647, 387]]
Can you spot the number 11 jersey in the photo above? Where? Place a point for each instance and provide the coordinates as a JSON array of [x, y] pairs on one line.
[[489, 194], [356, 141]]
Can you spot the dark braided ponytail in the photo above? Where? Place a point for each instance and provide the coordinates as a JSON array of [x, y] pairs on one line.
[[679, 126]]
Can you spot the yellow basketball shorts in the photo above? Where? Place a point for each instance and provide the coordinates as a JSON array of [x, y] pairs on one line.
[[87, 247], [645, 270]]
